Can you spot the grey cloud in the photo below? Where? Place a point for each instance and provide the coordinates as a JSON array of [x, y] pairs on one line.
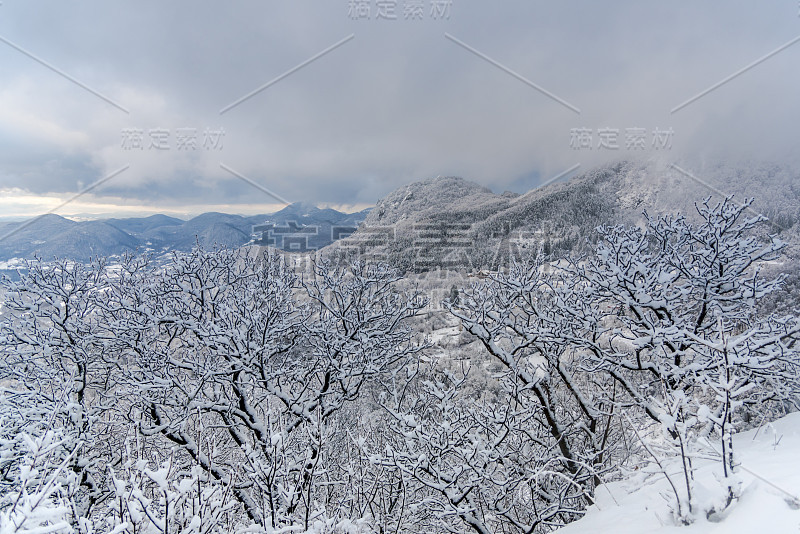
[[399, 102]]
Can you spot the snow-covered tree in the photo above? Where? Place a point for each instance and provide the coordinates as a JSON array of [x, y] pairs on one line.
[[41, 499], [656, 337], [524, 457], [56, 369], [478, 464], [681, 335], [203, 390], [230, 348]]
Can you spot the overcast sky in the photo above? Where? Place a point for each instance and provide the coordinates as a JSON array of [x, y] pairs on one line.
[[507, 93]]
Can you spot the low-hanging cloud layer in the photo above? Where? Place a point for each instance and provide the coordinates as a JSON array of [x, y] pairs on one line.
[[245, 105]]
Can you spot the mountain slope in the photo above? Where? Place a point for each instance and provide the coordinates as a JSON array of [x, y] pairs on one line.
[[452, 223], [429, 198]]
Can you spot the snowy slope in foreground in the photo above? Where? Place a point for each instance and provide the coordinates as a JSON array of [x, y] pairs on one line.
[[634, 507]]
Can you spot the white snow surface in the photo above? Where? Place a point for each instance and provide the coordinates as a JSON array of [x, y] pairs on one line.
[[640, 505], [444, 335]]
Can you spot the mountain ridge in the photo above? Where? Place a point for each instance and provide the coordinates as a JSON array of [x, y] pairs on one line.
[[51, 235]]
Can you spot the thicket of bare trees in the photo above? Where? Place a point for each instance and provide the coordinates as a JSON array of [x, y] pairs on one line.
[[200, 397], [226, 393]]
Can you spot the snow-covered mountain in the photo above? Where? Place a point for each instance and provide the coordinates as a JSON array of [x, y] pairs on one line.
[[427, 199], [454, 223]]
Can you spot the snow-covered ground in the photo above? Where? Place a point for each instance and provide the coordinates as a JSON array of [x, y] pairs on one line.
[[445, 336], [638, 506]]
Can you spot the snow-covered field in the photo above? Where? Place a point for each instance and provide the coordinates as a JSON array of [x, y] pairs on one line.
[[772, 453]]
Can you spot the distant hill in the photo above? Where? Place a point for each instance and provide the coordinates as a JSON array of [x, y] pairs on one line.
[[299, 226]]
